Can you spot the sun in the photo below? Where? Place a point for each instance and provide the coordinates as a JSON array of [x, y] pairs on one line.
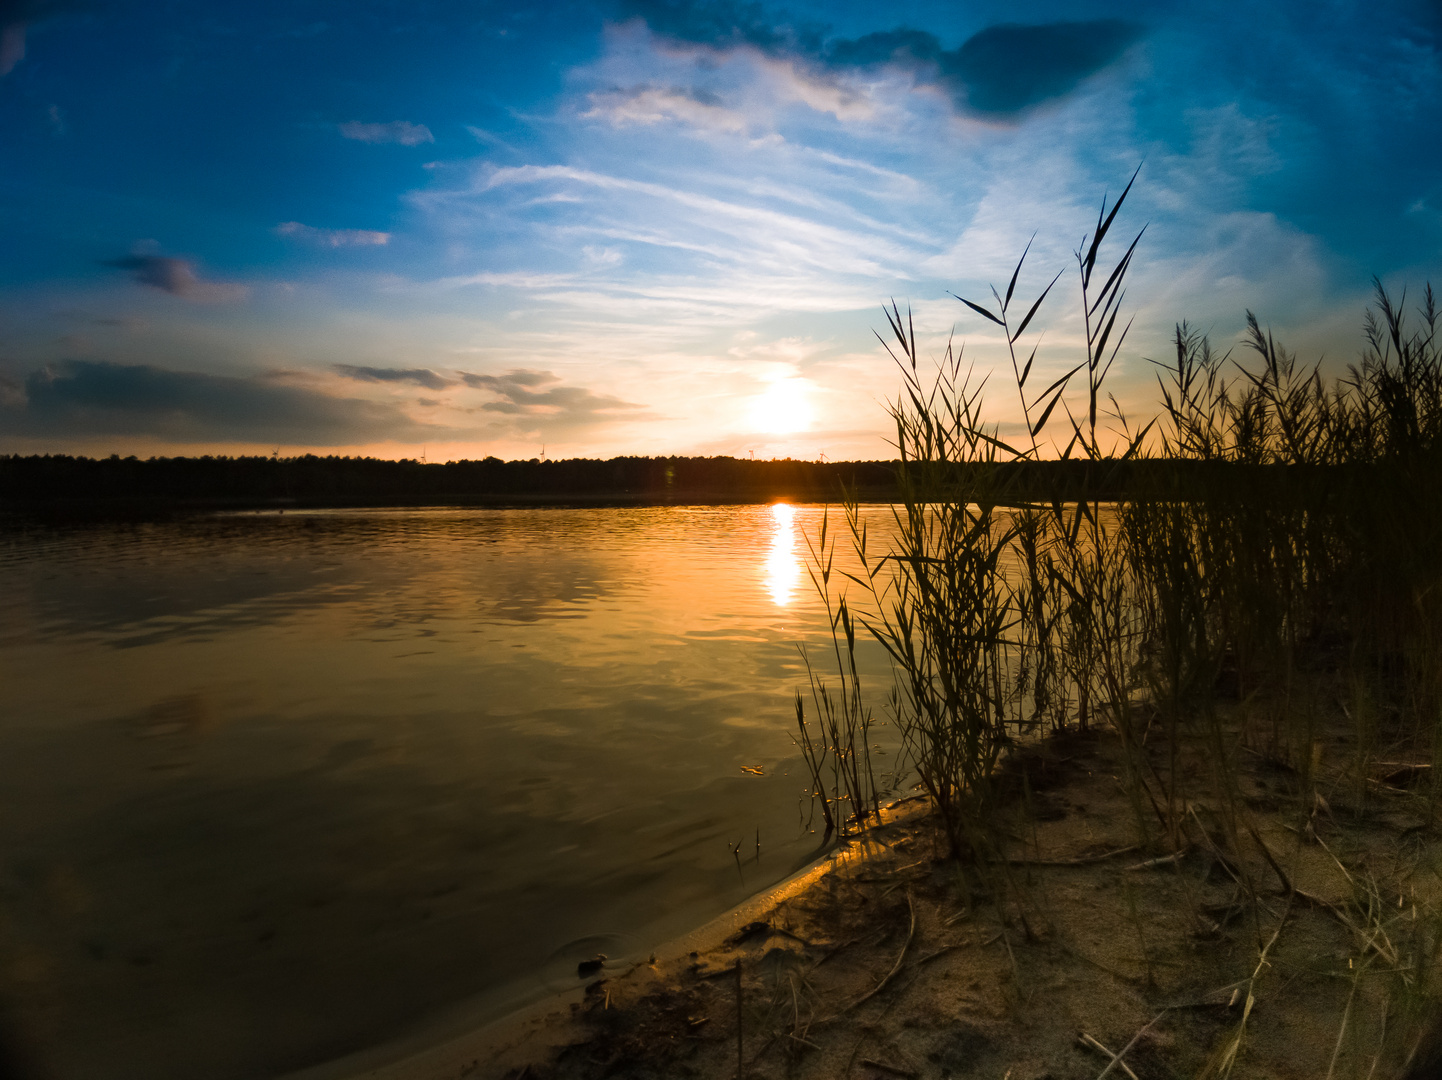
[[785, 407]]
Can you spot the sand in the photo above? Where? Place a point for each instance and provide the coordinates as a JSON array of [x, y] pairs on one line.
[[1287, 931]]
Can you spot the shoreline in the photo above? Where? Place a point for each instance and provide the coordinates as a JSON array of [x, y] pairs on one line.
[[449, 1046], [1090, 936]]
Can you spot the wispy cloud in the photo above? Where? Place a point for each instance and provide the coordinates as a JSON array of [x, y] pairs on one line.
[[1000, 72], [178, 277], [741, 230], [656, 104], [538, 401], [397, 131], [416, 376], [88, 398], [335, 238]]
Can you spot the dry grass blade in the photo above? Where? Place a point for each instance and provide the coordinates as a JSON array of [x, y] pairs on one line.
[[1095, 1044], [1116, 1061]]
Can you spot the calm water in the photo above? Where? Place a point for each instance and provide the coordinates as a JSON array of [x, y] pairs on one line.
[[275, 788]]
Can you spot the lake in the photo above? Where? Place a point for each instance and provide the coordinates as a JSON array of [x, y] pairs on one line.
[[275, 788]]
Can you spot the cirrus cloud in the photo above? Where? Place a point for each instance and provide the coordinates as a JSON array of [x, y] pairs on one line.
[[397, 131], [335, 238], [1000, 72], [538, 403], [656, 104]]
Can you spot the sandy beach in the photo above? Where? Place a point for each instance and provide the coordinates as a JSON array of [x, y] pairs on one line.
[[888, 959]]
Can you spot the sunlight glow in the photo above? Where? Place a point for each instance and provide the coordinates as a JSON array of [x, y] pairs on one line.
[[783, 409], [783, 568]]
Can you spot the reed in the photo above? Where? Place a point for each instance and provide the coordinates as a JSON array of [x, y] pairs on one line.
[[838, 754], [1270, 526]]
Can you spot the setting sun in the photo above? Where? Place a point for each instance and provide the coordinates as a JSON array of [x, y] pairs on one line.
[[783, 409]]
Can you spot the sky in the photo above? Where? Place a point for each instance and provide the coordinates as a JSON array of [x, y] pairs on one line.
[[448, 230]]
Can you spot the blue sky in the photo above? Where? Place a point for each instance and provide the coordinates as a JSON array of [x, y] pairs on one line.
[[654, 226]]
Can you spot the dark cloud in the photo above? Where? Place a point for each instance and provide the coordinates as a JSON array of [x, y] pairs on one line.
[[539, 397], [77, 398], [907, 48], [29, 11], [726, 24], [15, 17], [1005, 69], [1001, 71], [418, 376], [175, 276]]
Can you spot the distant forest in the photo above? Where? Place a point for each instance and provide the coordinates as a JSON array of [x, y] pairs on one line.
[[64, 484]]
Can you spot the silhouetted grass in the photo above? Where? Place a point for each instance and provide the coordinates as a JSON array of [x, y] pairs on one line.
[[1229, 581], [1272, 538]]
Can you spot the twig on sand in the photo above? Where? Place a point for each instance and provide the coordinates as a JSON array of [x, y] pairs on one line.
[[1164, 861], [894, 1070], [910, 933], [1117, 1058], [1085, 860], [1096, 1044], [938, 952], [1287, 885]]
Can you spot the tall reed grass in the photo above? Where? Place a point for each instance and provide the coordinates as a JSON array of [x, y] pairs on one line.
[[1271, 522]]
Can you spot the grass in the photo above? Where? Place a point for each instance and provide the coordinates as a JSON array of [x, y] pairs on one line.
[[1218, 584]]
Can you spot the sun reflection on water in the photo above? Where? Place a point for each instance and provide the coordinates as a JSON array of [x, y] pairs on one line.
[[783, 567]]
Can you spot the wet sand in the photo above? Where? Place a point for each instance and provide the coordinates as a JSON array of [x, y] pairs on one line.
[[890, 960]]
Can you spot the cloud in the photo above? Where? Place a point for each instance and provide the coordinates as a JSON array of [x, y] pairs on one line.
[[655, 104], [12, 47], [538, 397], [751, 236], [1000, 72], [77, 398], [15, 17], [1008, 68], [397, 131], [417, 376], [177, 277], [726, 24], [602, 256], [334, 237]]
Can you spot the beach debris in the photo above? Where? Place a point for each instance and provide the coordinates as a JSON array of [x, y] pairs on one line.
[[586, 968], [750, 932], [893, 1070], [1093, 1044], [1162, 862], [754, 770]]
